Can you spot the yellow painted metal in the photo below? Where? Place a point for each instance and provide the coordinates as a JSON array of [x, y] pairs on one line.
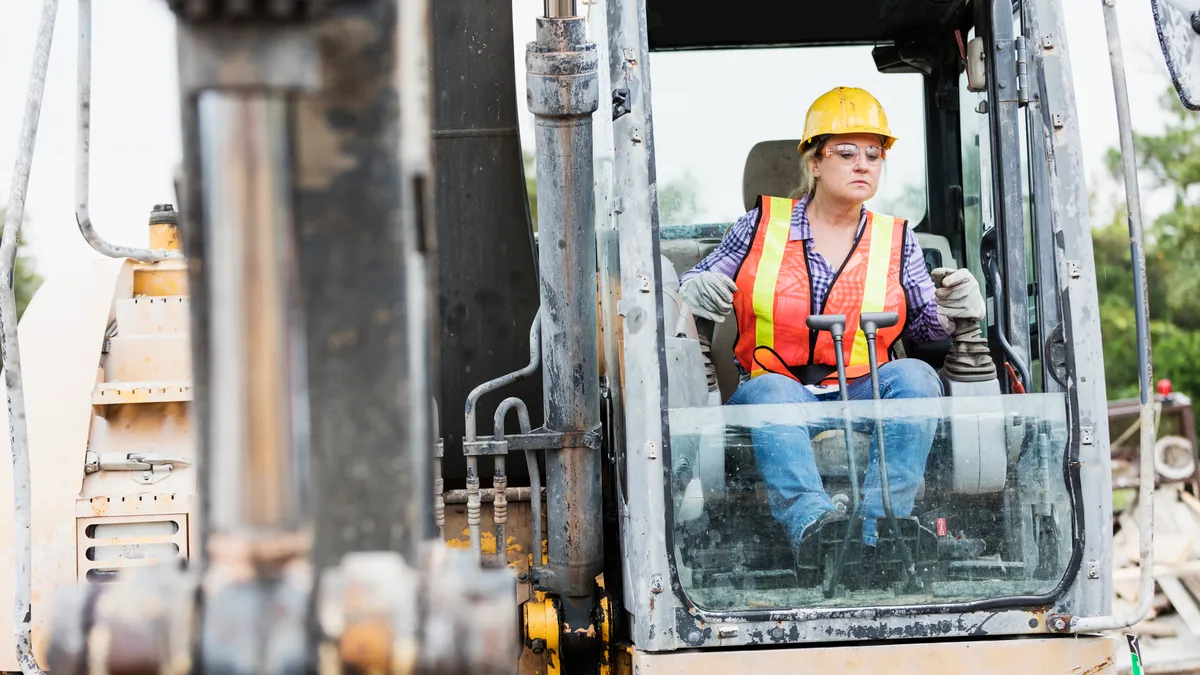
[[1070, 655], [542, 623], [167, 278], [164, 236], [134, 396], [610, 651]]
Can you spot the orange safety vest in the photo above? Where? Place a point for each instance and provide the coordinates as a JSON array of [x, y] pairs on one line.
[[774, 298]]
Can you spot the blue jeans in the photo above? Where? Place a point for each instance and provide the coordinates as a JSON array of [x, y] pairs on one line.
[[785, 456]]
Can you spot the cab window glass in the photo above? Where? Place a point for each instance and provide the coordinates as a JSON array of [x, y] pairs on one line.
[[781, 504], [703, 135]]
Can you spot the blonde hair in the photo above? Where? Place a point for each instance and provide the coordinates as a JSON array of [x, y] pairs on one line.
[[808, 182]]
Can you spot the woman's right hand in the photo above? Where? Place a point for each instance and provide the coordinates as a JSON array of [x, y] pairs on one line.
[[709, 295]]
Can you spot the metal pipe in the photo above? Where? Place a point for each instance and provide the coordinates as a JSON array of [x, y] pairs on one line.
[[257, 452], [512, 494], [439, 493], [563, 92], [500, 508], [535, 354], [470, 432], [559, 9], [535, 492], [10, 349], [83, 87], [473, 507], [1133, 204], [500, 481], [439, 483]]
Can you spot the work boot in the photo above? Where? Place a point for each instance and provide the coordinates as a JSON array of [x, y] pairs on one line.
[[807, 550]]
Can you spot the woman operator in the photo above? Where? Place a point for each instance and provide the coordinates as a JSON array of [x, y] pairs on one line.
[[822, 252]]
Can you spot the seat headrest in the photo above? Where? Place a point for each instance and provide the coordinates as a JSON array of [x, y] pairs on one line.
[[772, 168]]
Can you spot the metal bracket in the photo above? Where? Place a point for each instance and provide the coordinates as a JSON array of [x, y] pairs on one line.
[[620, 103], [541, 439], [488, 446], [538, 439], [147, 467]]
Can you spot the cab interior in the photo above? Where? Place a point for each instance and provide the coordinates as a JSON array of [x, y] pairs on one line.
[[1018, 536]]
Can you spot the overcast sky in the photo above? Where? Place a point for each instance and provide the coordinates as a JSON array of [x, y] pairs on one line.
[[702, 125]]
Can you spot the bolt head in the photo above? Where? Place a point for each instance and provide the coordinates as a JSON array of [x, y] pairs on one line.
[[1059, 623]]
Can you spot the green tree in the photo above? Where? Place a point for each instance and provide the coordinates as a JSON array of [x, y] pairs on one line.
[[26, 280], [1171, 160], [678, 201], [530, 185]]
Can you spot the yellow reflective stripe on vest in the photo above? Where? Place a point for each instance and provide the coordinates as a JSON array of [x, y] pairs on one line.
[[779, 228], [875, 286]]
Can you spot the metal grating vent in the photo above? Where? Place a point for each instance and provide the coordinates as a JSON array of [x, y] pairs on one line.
[[107, 545]]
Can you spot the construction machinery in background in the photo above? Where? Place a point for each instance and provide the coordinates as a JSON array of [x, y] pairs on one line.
[[251, 459]]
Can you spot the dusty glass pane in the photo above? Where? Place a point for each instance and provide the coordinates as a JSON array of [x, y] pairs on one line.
[[986, 516]]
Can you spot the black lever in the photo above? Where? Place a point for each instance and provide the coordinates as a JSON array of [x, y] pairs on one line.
[[835, 325], [870, 323], [873, 321]]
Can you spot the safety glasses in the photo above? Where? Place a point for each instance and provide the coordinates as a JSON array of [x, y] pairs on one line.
[[849, 152]]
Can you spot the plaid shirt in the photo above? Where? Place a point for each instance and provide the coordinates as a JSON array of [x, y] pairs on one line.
[[922, 323]]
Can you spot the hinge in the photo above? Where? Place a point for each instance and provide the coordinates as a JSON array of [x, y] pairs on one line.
[[147, 467], [1022, 70]]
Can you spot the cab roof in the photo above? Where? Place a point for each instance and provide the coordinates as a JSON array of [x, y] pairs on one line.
[[687, 24]]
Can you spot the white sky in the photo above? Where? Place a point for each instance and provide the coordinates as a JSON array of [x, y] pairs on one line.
[[704, 122]]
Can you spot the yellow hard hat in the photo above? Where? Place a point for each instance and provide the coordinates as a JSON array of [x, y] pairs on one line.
[[846, 110]]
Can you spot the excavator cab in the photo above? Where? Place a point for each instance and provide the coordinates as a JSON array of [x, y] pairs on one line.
[[990, 517], [1009, 522]]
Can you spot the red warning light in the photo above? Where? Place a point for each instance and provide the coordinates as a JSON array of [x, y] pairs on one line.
[[1164, 387]]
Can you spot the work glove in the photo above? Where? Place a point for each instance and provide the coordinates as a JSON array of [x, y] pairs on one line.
[[709, 295], [957, 297]]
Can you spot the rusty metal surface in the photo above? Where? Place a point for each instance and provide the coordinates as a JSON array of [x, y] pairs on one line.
[[253, 622], [563, 92], [236, 57], [378, 614], [366, 303], [135, 628]]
